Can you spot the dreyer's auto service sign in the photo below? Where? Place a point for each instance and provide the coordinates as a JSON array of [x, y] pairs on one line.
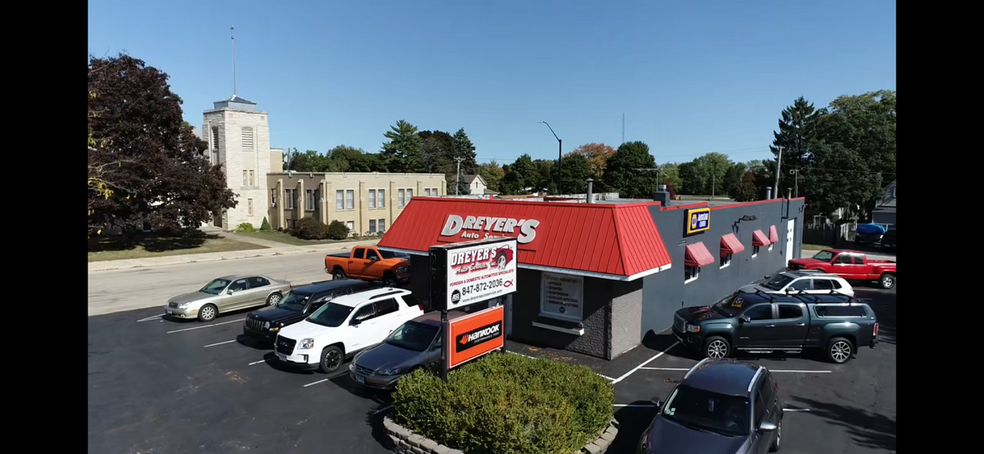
[[481, 272]]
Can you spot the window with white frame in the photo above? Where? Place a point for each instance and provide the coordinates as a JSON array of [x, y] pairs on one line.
[[252, 178], [427, 192], [309, 201], [339, 200], [755, 251], [372, 226], [690, 274], [245, 178], [289, 199], [725, 260], [351, 227], [381, 225], [434, 192], [372, 199], [350, 199], [249, 206], [380, 198], [247, 139], [400, 194], [409, 195]]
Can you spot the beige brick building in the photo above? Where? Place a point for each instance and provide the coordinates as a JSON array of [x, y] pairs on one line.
[[238, 136]]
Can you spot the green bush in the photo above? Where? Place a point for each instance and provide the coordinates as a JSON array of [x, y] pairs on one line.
[[245, 227], [265, 226], [337, 230], [507, 404], [309, 228]]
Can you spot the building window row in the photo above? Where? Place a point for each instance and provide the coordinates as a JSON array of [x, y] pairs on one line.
[[377, 199], [249, 178], [403, 197], [345, 199], [377, 226], [431, 192]]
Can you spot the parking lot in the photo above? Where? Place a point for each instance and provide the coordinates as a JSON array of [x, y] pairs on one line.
[[158, 385]]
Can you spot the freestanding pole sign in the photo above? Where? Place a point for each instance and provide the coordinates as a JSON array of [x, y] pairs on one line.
[[467, 273]]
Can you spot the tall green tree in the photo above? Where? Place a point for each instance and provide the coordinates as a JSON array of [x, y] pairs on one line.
[[401, 151], [670, 174], [631, 171], [343, 158], [437, 155], [797, 131], [154, 167], [309, 161], [575, 169], [714, 168], [546, 176], [597, 155], [520, 175], [492, 173], [465, 149], [740, 183]]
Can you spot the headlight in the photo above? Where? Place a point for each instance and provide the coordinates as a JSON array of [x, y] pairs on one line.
[[391, 371], [307, 343], [266, 325], [184, 305], [402, 269], [692, 328]]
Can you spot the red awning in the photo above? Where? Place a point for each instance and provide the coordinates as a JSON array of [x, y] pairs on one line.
[[773, 234], [698, 255], [759, 239], [731, 245], [601, 240]]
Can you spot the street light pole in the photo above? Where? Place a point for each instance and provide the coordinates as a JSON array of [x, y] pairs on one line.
[[560, 152]]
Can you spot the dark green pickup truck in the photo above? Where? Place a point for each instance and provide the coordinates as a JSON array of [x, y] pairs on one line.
[[761, 322]]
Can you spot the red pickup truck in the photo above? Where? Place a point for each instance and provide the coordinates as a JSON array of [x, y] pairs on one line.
[[850, 265], [370, 264]]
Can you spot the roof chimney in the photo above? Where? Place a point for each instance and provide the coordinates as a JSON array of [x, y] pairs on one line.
[[662, 196], [590, 195]]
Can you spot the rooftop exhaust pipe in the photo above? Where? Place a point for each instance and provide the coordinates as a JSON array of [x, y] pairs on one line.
[[590, 196], [662, 196], [768, 193]]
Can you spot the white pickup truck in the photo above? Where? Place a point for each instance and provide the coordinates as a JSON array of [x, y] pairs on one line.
[[343, 327]]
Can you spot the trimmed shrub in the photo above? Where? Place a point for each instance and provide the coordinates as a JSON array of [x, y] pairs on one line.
[[337, 230], [245, 227], [309, 228], [507, 404], [265, 226]]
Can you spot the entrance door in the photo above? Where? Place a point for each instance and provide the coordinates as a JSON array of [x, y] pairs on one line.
[[790, 238]]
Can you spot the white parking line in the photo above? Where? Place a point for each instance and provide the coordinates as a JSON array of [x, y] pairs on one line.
[[205, 326], [152, 317], [315, 383], [257, 362], [386, 408], [220, 343], [778, 371], [796, 409], [676, 369], [626, 375]]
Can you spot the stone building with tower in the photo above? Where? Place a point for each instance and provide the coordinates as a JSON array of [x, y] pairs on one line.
[[238, 137]]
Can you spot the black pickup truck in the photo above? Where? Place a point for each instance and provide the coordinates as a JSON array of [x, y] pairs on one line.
[[760, 322], [297, 305]]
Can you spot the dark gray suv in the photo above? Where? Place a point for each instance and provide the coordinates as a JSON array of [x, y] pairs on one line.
[[720, 406]]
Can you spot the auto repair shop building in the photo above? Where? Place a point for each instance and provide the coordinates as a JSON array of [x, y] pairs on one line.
[[595, 278]]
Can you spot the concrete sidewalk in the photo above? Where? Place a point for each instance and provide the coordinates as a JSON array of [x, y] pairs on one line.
[[272, 249]]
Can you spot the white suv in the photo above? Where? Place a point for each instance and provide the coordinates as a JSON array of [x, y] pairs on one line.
[[793, 282], [344, 326]]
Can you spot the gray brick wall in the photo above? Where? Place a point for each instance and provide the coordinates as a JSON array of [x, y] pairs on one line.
[[626, 319]]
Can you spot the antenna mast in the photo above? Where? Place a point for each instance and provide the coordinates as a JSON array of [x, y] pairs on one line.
[[233, 30]]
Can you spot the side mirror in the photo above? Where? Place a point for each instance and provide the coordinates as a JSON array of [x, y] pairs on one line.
[[373, 259], [767, 427], [657, 402], [230, 292], [744, 319], [355, 322], [789, 290]]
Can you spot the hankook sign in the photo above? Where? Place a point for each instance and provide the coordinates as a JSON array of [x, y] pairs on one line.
[[457, 228], [474, 335]]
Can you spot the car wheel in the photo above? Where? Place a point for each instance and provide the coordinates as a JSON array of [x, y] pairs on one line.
[[274, 298], [207, 313], [887, 281], [337, 274], [839, 350], [716, 347], [777, 442], [389, 280], [331, 359]]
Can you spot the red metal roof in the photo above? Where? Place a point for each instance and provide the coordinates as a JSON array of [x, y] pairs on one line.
[[615, 241], [759, 239], [698, 255], [731, 245], [773, 234]]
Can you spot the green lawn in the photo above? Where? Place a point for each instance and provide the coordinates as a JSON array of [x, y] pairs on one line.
[[281, 237], [151, 245]]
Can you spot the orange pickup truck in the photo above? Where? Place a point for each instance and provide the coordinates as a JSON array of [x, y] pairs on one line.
[[370, 264]]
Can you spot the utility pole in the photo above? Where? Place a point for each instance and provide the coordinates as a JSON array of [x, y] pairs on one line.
[[560, 152], [457, 178], [713, 182], [796, 179], [778, 164], [233, 31]]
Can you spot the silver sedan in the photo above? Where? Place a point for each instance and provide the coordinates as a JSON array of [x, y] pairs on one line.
[[225, 294]]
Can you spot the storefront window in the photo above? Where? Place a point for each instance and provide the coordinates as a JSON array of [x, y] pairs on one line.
[[725, 260], [690, 273], [561, 297]]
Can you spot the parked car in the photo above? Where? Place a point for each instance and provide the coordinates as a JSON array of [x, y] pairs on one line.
[[225, 294], [343, 326], [850, 265], [761, 322], [369, 263], [299, 303], [415, 344], [810, 282], [721, 406]]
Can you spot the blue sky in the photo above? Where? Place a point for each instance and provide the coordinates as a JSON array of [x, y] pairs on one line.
[[690, 77]]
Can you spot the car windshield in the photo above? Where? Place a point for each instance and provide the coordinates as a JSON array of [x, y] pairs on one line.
[[824, 256], [708, 411], [730, 306], [215, 287], [778, 282], [413, 336], [393, 255], [331, 315], [294, 301]]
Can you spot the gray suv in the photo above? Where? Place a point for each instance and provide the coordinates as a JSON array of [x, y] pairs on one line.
[[720, 406]]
